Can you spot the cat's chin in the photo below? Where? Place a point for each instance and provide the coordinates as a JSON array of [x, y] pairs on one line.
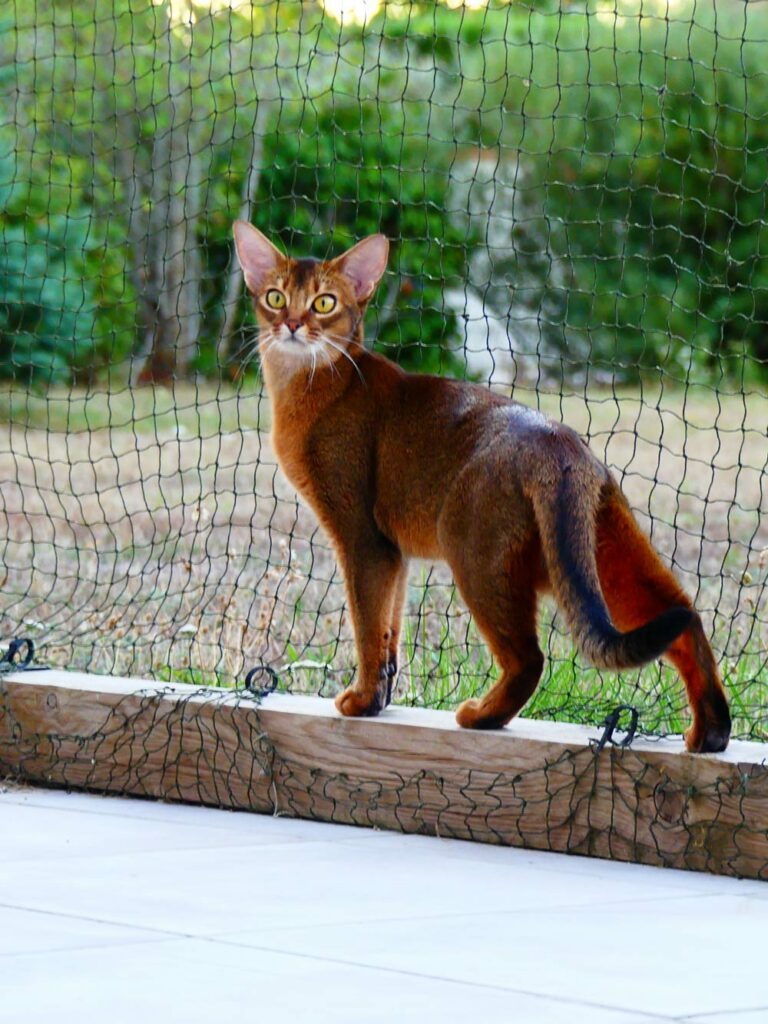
[[291, 357], [294, 349]]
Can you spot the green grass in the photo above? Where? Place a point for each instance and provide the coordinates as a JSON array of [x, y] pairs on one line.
[[443, 674], [570, 691], [196, 410], [442, 677]]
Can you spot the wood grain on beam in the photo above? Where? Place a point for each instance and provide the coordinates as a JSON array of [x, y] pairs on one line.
[[534, 784]]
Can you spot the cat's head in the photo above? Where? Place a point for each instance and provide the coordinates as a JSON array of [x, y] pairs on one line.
[[309, 311]]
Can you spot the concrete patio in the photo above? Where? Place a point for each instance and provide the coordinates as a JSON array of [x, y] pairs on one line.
[[123, 910]]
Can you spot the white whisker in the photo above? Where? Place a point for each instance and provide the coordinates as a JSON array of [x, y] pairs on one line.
[[346, 355], [269, 346], [331, 364], [313, 353], [247, 350]]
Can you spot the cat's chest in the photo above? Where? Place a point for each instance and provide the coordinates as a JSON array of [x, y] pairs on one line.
[[291, 449], [310, 463], [330, 465]]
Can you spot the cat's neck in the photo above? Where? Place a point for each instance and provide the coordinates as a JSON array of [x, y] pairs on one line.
[[297, 392]]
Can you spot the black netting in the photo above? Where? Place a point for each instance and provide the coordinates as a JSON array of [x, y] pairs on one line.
[[575, 196]]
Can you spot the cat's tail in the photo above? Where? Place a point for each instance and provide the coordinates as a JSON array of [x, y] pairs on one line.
[[568, 537]]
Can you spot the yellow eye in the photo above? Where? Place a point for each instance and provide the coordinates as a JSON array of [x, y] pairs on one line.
[[275, 299], [324, 304]]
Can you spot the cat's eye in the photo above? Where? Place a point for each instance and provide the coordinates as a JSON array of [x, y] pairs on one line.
[[275, 299], [324, 304]]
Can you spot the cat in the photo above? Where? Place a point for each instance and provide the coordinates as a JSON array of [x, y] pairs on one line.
[[398, 465]]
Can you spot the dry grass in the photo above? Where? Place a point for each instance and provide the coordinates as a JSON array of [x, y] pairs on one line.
[[151, 534]]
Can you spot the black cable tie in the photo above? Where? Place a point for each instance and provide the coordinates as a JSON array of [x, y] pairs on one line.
[[611, 723], [261, 691], [19, 657]]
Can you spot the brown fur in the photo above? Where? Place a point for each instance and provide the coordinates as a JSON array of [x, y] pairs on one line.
[[397, 465]]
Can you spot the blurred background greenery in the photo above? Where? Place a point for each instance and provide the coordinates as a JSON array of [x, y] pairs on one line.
[[582, 184]]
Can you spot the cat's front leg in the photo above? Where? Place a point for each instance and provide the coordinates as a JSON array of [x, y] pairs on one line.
[[395, 623], [373, 571]]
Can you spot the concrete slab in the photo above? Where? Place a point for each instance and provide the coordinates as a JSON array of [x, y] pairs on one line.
[[129, 909]]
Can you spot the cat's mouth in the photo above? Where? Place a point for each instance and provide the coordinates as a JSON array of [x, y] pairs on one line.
[[305, 351], [299, 346], [298, 337]]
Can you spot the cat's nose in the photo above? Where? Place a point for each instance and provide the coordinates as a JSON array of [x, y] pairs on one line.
[[293, 325]]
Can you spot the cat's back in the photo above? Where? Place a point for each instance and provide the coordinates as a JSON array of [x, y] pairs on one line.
[[437, 428], [462, 415]]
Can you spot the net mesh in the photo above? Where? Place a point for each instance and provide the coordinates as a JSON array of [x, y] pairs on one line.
[[575, 197]]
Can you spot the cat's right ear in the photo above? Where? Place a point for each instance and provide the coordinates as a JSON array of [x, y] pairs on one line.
[[257, 256], [364, 265]]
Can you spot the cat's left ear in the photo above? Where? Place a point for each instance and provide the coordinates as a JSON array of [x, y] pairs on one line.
[[257, 256], [364, 265]]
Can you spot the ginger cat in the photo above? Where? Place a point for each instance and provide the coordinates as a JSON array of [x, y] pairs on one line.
[[399, 465]]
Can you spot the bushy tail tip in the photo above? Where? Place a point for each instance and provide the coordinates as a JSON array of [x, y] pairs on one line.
[[644, 644]]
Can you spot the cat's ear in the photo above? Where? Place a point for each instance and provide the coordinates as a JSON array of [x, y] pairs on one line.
[[258, 257], [364, 265]]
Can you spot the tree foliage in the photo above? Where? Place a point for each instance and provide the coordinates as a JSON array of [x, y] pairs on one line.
[[598, 176]]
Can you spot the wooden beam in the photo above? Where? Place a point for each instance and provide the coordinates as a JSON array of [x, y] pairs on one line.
[[534, 784]]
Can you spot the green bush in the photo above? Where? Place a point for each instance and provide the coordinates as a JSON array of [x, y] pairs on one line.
[[637, 148], [61, 291], [342, 173], [47, 311], [643, 158]]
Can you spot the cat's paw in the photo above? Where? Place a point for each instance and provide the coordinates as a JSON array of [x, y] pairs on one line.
[[711, 727], [710, 739], [354, 704], [473, 714], [466, 714]]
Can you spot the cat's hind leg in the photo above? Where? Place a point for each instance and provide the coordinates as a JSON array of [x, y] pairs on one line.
[[637, 587], [521, 668], [503, 605]]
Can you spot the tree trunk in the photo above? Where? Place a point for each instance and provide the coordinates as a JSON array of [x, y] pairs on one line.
[[154, 364], [178, 174], [235, 279]]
